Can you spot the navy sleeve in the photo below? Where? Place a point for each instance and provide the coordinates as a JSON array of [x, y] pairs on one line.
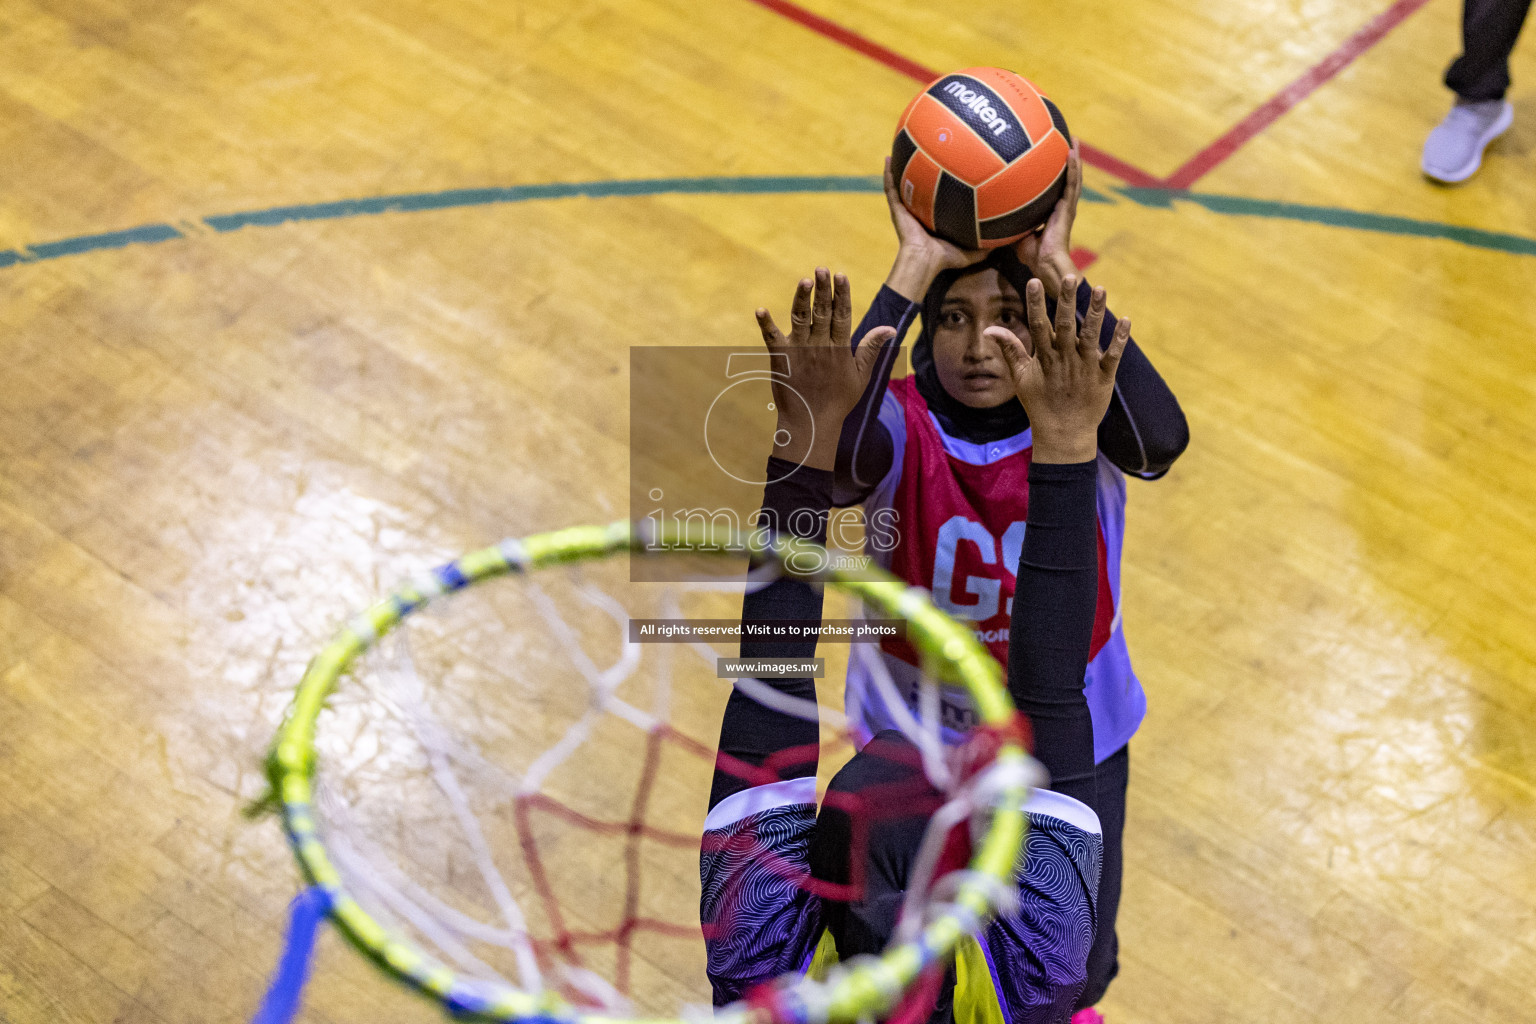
[[796, 502], [865, 452], [1052, 625]]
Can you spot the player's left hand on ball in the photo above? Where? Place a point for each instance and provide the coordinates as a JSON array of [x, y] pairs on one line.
[[1048, 252], [818, 376], [1063, 379]]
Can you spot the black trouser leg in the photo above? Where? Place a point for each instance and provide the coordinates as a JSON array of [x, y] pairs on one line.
[[1489, 29], [1112, 777]]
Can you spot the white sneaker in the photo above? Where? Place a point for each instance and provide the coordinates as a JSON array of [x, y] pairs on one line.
[[1454, 150]]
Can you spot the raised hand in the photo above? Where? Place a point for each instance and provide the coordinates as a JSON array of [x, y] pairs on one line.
[[1048, 253], [1062, 378], [818, 379], [921, 255]]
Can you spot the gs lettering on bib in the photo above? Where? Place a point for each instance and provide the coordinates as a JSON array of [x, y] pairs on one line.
[[951, 518], [962, 527]]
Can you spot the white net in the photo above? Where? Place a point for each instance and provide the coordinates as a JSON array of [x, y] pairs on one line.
[[510, 783]]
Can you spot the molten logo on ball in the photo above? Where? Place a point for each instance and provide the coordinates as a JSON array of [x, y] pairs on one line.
[[977, 103]]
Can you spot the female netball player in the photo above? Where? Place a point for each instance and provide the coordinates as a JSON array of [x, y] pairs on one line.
[[944, 454], [761, 920]]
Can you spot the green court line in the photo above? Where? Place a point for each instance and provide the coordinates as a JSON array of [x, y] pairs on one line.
[[461, 197], [147, 235], [1238, 206]]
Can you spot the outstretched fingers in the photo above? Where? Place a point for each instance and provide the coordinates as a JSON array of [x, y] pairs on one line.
[[800, 313], [772, 336], [868, 352], [1015, 352], [1093, 323], [820, 314], [1066, 316], [1109, 362], [842, 311], [1036, 317], [821, 308]]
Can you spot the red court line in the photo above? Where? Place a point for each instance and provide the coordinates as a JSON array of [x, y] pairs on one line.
[[1199, 165], [1092, 156], [832, 30], [1128, 173], [1209, 158]]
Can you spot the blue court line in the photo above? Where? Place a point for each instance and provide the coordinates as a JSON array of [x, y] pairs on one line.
[[1239, 206]]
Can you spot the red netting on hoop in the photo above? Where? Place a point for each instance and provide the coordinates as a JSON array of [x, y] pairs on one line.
[[518, 819]]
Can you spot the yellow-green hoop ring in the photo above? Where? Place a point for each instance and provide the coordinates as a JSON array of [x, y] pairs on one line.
[[862, 990]]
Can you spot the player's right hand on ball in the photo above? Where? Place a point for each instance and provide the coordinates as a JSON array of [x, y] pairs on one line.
[[1062, 378], [921, 255], [819, 376]]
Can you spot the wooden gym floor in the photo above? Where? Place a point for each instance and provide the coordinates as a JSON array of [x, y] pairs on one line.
[[243, 394]]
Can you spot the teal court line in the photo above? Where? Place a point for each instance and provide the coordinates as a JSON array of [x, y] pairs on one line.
[[1236, 206]]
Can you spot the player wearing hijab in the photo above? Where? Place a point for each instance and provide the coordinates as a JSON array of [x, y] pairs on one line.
[[940, 461], [774, 871]]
